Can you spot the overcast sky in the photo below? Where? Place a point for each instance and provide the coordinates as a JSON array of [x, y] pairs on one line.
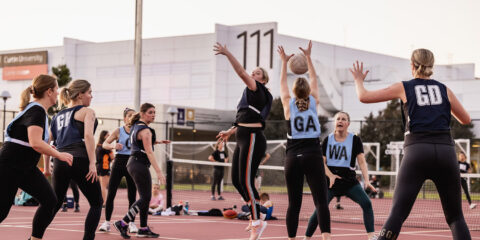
[[451, 29]]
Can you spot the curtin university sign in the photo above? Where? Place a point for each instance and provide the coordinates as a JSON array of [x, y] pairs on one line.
[[23, 66]]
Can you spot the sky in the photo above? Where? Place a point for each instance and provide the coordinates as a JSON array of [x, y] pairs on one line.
[[451, 29]]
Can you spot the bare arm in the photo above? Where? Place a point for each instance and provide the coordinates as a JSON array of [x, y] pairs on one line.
[[210, 158], [89, 123], [311, 72], [457, 109], [284, 91], [394, 91], [146, 136], [249, 81], [107, 144], [362, 163], [35, 135], [265, 159]]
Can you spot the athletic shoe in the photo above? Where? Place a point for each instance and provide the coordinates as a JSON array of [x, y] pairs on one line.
[[473, 205], [122, 228], [105, 227], [213, 198], [132, 228], [256, 231], [147, 233], [64, 208], [374, 237], [77, 208], [249, 227], [220, 198], [339, 207]]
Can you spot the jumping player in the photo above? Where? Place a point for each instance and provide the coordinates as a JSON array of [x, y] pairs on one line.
[[252, 111]]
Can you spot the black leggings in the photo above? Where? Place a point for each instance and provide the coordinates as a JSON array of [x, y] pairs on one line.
[[465, 189], [423, 161], [251, 146], [217, 180], [119, 170], [309, 164], [143, 180], [62, 174], [76, 194], [34, 183]]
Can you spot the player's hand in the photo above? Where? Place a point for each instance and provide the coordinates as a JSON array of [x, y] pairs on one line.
[[92, 173], [219, 49], [332, 178], [118, 146], [66, 157], [357, 72], [370, 186], [307, 51], [283, 55]]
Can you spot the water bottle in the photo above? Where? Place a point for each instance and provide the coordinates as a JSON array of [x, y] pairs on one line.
[[186, 208]]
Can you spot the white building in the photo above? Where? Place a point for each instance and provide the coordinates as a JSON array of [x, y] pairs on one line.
[[183, 71]]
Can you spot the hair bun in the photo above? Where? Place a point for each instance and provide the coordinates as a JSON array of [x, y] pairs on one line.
[[32, 89]]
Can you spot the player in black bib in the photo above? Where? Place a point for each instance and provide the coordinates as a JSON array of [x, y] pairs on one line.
[[252, 111], [72, 132], [465, 168], [119, 170], [429, 147], [303, 151], [142, 138], [219, 155], [341, 150], [26, 139]]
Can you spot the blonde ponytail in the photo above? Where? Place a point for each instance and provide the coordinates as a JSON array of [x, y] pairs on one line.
[[133, 119], [302, 104], [423, 60]]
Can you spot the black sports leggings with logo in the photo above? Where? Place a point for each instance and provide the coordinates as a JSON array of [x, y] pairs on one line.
[[140, 173], [251, 146], [119, 170], [423, 161], [62, 174], [309, 164]]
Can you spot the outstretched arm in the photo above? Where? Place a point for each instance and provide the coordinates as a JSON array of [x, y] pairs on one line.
[[284, 92], [247, 79], [311, 72], [390, 93]]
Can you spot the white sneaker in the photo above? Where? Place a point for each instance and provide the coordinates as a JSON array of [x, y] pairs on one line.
[[256, 231], [105, 227], [473, 205], [373, 238], [132, 228]]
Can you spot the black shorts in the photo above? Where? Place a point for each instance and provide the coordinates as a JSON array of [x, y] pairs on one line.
[[103, 172]]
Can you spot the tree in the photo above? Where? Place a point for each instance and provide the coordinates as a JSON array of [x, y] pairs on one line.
[[63, 78]]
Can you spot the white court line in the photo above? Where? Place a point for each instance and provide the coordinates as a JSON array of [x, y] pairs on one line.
[[81, 231]]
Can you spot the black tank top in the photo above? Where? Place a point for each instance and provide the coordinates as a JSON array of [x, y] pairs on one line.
[[427, 111], [138, 149], [254, 106]]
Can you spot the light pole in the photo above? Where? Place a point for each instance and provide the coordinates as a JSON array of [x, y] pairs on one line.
[[5, 95], [172, 111]]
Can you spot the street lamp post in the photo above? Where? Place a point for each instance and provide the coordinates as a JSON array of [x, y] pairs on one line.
[[5, 95], [172, 111]]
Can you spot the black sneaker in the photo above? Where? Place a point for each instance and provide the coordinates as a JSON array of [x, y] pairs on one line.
[[123, 229], [146, 233], [221, 198], [77, 208], [64, 208], [339, 207]]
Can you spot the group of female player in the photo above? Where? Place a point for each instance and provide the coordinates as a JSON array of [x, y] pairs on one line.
[[429, 147], [328, 166], [73, 150]]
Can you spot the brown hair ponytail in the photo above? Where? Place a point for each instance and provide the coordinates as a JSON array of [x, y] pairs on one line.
[[40, 84], [301, 89]]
